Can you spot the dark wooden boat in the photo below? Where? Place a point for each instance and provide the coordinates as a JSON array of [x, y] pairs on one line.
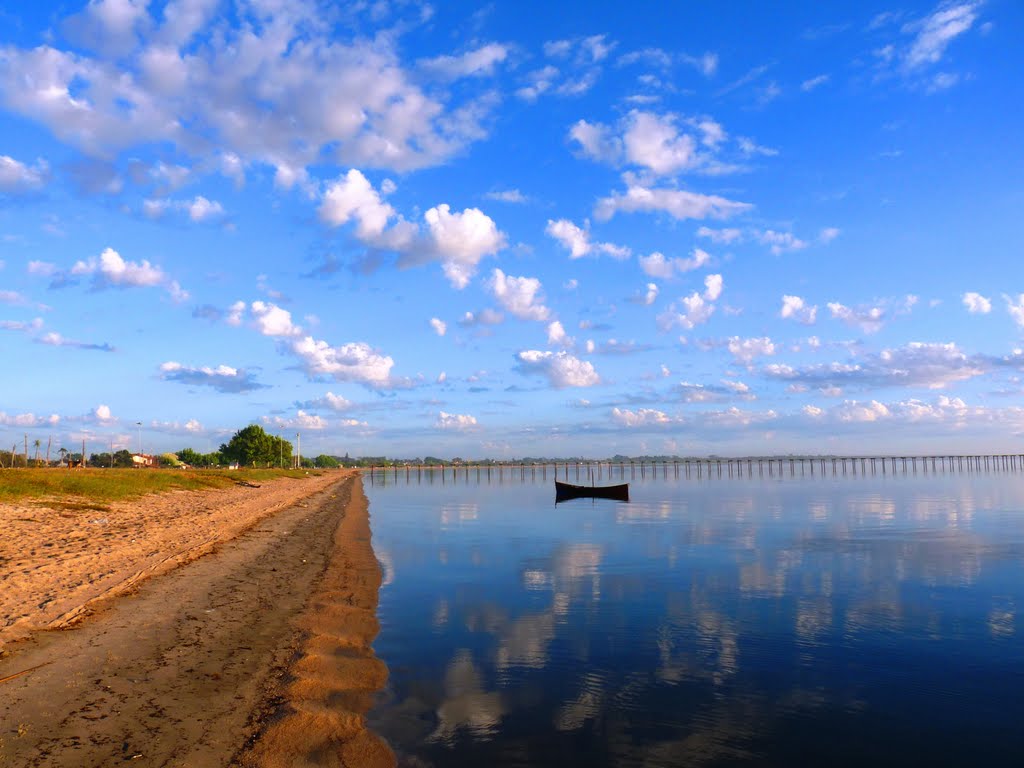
[[566, 491]]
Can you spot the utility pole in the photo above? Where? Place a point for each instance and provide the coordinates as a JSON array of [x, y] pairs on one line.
[[139, 425], [298, 451]]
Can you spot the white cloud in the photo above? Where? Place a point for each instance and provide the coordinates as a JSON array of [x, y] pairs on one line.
[[439, 326], [745, 350], [302, 420], [355, 361], [678, 203], [656, 265], [522, 296], [42, 268], [557, 335], [112, 270], [352, 197], [475, 63], [560, 368], [976, 304], [871, 319], [285, 92], [223, 378], [937, 31], [28, 420], [828, 234], [272, 320], [722, 236], [643, 417], [483, 317], [201, 209], [655, 142], [461, 240], [795, 308], [507, 196], [813, 82], [695, 311], [16, 177], [455, 421], [235, 313], [1015, 307], [103, 414], [651, 294], [781, 242], [712, 287], [577, 240]]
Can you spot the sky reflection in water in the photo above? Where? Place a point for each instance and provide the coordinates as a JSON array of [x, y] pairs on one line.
[[841, 621]]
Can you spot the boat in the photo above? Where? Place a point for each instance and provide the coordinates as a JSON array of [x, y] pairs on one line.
[[566, 491]]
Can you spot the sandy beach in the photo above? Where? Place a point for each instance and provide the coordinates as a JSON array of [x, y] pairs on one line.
[[201, 628]]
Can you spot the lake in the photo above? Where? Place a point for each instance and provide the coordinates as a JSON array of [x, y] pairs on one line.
[[793, 620]]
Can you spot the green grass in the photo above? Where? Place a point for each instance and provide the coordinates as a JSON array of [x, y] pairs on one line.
[[96, 488]]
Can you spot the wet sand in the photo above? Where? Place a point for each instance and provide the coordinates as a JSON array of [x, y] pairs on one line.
[[256, 654]]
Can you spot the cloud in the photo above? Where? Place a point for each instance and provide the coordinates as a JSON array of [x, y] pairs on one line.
[[872, 318], [439, 326], [656, 265], [712, 287], [21, 325], [781, 242], [1016, 308], [476, 63], [461, 240], [795, 308], [936, 31], [814, 82], [18, 178], [644, 417], [54, 339], [28, 420], [557, 335], [976, 304], [355, 361], [198, 209], [721, 236], [483, 317], [507, 196], [285, 92], [745, 350], [678, 203], [302, 420], [331, 402], [917, 364], [577, 241], [521, 296], [353, 198], [560, 368], [272, 320], [455, 421], [110, 270], [223, 378]]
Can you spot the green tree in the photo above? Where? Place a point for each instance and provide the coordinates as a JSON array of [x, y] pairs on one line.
[[326, 462], [190, 457], [253, 446], [123, 458]]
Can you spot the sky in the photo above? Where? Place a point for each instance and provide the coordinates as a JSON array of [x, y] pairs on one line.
[[513, 229]]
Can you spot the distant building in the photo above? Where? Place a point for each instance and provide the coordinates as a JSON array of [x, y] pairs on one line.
[[142, 460]]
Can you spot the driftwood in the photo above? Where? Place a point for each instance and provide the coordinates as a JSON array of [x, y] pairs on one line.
[[246, 483]]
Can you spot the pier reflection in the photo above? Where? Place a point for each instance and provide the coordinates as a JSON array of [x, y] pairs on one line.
[[779, 620]]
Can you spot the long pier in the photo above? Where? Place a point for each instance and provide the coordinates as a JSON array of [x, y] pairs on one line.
[[714, 467]]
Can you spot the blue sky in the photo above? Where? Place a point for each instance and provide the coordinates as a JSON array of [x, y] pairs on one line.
[[516, 229]]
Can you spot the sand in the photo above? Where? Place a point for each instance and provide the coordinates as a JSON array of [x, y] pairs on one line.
[[257, 653]]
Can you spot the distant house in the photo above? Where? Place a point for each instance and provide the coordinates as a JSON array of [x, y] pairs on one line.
[[142, 460]]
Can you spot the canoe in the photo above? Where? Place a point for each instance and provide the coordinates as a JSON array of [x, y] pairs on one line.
[[566, 491]]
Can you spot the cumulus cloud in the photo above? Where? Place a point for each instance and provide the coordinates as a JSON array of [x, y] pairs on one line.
[[872, 318], [27, 420], [657, 265], [724, 236], [560, 368], [476, 63], [455, 421], [745, 350], [353, 198], [111, 270], [286, 93], [780, 242], [355, 361], [643, 417], [976, 304], [18, 178], [917, 364], [557, 335], [521, 296], [677, 203], [330, 401], [439, 326], [483, 317], [272, 320], [301, 420], [54, 339], [577, 240], [693, 310], [223, 378], [1015, 306], [795, 308]]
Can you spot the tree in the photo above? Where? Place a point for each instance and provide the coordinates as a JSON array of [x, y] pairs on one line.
[[253, 446], [326, 462], [37, 442], [63, 454], [123, 458]]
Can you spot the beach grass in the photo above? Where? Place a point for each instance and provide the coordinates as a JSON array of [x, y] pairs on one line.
[[96, 488]]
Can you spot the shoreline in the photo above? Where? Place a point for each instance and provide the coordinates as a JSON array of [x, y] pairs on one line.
[[246, 656]]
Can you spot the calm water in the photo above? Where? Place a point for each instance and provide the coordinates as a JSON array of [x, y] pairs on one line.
[[825, 621]]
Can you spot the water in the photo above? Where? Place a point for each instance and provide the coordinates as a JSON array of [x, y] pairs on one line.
[[754, 621]]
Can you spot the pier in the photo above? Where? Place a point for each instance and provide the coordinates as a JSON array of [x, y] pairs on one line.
[[702, 468]]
